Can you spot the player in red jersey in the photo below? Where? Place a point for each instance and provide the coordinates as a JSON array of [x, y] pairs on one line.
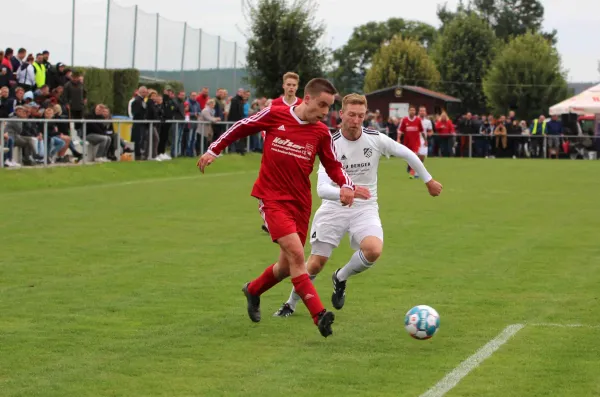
[[290, 86], [294, 136], [289, 98], [411, 127]]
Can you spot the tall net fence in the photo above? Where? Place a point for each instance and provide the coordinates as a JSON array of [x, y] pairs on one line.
[[135, 38], [103, 33]]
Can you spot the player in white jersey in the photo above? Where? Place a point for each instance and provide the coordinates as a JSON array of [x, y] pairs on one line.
[[427, 132], [359, 150]]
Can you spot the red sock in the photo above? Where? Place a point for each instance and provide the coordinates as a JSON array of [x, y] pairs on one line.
[[305, 288], [264, 282]]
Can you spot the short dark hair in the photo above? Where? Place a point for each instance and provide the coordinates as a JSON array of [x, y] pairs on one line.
[[76, 73], [22, 50], [9, 51], [38, 54], [318, 86], [412, 107], [46, 52]]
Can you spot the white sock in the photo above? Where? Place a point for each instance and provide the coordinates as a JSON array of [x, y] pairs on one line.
[[357, 264], [295, 298]]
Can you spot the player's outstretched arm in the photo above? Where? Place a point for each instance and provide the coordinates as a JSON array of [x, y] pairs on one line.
[[398, 150], [240, 130], [335, 169], [327, 191]]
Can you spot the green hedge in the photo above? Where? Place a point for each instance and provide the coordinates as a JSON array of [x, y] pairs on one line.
[[114, 87], [111, 87], [125, 81], [176, 86]]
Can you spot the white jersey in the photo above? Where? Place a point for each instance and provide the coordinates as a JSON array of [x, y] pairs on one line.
[[360, 159], [427, 126]]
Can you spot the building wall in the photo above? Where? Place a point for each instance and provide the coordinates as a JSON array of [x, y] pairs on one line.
[[382, 101]]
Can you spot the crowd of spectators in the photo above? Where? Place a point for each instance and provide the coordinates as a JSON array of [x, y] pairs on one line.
[[491, 136]]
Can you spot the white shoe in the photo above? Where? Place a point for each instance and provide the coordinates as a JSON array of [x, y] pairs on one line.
[[15, 164], [166, 157], [158, 158]]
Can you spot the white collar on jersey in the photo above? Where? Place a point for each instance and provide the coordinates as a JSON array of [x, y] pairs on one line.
[[413, 119], [296, 117], [289, 104], [362, 130]]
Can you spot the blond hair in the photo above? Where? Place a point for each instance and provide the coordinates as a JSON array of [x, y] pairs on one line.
[[354, 99], [291, 75]]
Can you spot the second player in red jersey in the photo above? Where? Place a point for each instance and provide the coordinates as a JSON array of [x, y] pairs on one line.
[[295, 136], [411, 127], [290, 86]]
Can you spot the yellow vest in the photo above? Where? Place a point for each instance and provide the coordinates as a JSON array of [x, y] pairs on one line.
[[535, 127], [40, 74]]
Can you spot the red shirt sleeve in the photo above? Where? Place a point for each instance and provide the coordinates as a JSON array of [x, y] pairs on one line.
[[451, 125], [335, 169], [243, 128], [403, 125]]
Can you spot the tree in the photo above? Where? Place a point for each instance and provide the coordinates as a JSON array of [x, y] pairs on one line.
[[527, 77], [354, 58], [402, 61], [508, 18], [283, 37], [463, 54]]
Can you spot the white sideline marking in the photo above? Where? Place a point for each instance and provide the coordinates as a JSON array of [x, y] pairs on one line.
[[127, 183], [452, 379], [564, 325]]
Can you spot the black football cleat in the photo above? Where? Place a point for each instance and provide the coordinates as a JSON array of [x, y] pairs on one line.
[[253, 304], [339, 291], [284, 311], [265, 228], [324, 323]]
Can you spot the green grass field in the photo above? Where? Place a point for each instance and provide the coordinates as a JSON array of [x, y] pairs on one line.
[[124, 280]]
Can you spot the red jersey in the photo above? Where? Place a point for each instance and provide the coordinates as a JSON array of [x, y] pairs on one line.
[[444, 127], [412, 129], [289, 154], [280, 102]]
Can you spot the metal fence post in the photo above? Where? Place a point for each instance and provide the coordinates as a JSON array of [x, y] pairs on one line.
[[84, 142], [45, 143], [235, 65], [151, 140], [2, 144], [200, 49], [135, 21], [219, 53], [202, 139], [106, 37], [183, 50], [156, 46], [119, 150], [73, 34], [470, 146]]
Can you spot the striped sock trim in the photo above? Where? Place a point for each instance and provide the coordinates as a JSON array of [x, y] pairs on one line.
[[364, 260]]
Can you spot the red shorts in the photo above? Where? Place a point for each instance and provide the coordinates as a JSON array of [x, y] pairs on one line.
[[412, 142], [284, 217]]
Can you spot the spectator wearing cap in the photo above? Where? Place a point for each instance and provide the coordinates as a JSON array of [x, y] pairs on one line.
[[21, 134], [56, 76], [26, 74], [46, 59], [40, 70]]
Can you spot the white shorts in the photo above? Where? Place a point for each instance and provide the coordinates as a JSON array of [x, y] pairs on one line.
[[423, 150], [331, 222]]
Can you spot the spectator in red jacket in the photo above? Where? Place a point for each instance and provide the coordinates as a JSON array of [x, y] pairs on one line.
[[203, 98], [445, 131]]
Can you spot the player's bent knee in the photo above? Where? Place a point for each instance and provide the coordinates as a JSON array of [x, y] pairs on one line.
[[372, 248], [315, 264]]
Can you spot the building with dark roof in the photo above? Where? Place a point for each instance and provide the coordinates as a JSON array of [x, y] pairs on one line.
[[435, 102]]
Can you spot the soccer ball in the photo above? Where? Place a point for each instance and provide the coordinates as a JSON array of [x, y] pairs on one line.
[[421, 322]]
